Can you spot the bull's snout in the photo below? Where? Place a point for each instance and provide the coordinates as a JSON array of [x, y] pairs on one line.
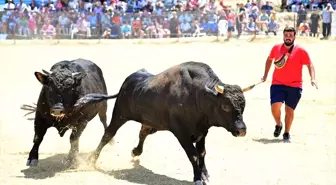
[[240, 130], [57, 110]]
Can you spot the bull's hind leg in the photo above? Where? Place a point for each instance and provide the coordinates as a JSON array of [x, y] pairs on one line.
[[144, 132], [116, 122], [102, 114]]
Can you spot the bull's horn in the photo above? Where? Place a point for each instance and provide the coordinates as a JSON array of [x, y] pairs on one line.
[[75, 74], [46, 72], [251, 87], [219, 88]]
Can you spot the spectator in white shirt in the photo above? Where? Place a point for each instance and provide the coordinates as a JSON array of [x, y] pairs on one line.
[[21, 6], [9, 6]]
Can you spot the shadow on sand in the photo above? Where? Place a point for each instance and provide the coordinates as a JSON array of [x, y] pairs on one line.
[[142, 175], [268, 141], [48, 167]]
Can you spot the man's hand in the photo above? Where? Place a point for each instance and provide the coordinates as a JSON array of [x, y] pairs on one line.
[[314, 83], [264, 78]]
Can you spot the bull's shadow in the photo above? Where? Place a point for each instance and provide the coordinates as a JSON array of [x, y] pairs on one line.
[[268, 141], [142, 175], [48, 167]]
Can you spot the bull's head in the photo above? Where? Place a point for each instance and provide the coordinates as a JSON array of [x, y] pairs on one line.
[[229, 107], [61, 90]]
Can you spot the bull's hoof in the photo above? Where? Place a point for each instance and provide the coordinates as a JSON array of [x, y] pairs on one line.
[[92, 158], [199, 182], [71, 162], [135, 152], [205, 178], [135, 159], [32, 162]]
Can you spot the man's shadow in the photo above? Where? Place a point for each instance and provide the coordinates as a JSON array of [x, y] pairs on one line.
[[268, 141], [50, 166]]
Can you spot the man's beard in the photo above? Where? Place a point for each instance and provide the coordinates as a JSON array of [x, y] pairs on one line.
[[288, 42]]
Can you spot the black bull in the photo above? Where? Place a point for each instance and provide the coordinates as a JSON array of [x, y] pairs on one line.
[[62, 102], [186, 99]]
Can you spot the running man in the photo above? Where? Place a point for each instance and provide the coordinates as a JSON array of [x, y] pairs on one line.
[[288, 59]]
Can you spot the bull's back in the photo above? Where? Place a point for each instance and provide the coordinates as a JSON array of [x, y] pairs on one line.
[[132, 91], [153, 98]]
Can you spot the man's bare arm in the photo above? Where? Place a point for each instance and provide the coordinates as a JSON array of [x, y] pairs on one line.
[[268, 65], [311, 70]]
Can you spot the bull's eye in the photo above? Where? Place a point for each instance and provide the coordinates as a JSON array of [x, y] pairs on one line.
[[226, 108]]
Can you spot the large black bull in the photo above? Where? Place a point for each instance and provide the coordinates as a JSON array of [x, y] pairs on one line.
[[63, 102], [187, 100]]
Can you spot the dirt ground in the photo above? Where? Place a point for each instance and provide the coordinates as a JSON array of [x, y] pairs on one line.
[[257, 159]]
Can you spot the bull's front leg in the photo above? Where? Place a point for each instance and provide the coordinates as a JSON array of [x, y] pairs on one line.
[[40, 128], [187, 144], [74, 142], [200, 146]]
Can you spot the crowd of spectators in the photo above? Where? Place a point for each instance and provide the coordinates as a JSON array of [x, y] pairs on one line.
[[149, 18], [294, 5]]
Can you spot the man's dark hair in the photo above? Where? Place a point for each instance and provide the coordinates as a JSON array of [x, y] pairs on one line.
[[289, 29]]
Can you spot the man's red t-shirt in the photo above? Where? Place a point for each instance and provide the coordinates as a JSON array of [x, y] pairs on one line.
[[291, 73]]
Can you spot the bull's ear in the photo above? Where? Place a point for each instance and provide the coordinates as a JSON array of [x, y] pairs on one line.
[[210, 90], [220, 87], [41, 78]]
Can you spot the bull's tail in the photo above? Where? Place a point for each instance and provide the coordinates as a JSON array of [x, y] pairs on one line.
[[85, 100], [112, 96], [93, 98]]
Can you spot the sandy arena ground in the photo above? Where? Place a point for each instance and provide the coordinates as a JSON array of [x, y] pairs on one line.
[[257, 159]]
